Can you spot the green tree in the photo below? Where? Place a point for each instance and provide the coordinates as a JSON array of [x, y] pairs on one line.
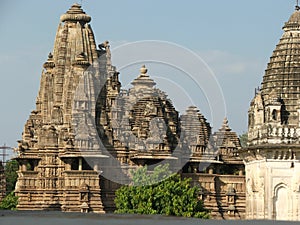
[[11, 175], [160, 192], [244, 139], [9, 202]]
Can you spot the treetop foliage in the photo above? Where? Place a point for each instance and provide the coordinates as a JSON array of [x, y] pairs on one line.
[[9, 202], [142, 177], [160, 192]]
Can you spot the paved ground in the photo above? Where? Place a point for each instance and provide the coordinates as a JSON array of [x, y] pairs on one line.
[[59, 218]]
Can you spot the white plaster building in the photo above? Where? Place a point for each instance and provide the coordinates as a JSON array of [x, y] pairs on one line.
[[273, 157]]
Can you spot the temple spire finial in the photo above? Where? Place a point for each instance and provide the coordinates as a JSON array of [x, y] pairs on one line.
[[143, 70], [297, 5]]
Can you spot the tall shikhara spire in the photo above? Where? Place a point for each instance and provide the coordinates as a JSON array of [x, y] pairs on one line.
[[74, 51], [60, 134]]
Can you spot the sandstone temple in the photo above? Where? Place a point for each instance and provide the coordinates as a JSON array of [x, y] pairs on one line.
[[86, 133]]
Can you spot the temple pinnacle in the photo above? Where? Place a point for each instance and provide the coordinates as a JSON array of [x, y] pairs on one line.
[[143, 70], [75, 14]]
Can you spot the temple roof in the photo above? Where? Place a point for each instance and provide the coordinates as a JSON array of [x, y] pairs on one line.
[[225, 137], [225, 126], [195, 129], [281, 81], [293, 22], [143, 80]]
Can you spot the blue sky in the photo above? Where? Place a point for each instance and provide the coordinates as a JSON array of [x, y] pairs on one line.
[[235, 38]]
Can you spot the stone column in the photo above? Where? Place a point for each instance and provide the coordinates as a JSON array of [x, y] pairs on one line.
[[80, 164], [95, 166]]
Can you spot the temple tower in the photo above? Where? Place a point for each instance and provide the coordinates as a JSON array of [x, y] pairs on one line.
[[272, 158], [139, 126], [195, 135], [60, 135], [227, 145]]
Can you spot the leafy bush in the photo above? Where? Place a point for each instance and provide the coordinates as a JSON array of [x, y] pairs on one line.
[[9, 202], [160, 192]]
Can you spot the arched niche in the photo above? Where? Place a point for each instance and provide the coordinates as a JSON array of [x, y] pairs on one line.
[[281, 202]]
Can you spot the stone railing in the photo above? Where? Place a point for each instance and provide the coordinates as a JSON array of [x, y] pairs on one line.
[[207, 181], [77, 178], [269, 134], [28, 183], [280, 152]]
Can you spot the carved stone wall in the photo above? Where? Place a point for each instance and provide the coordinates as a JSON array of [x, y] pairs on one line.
[[272, 183], [223, 195]]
